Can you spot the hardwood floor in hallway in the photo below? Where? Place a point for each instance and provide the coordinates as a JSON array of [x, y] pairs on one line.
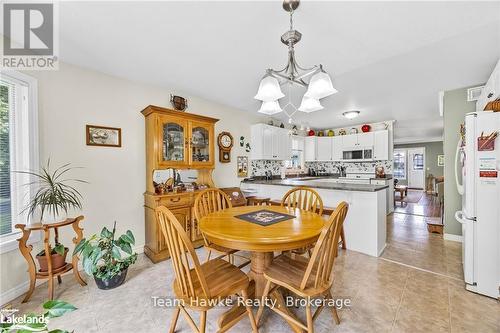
[[424, 205]]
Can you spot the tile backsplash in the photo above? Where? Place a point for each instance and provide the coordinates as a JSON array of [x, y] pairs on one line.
[[259, 167], [351, 167]]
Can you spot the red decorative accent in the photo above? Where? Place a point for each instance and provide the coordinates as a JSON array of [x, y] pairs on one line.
[[366, 128], [488, 174], [311, 133]]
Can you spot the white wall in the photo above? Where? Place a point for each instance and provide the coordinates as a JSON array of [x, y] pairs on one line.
[[72, 97]]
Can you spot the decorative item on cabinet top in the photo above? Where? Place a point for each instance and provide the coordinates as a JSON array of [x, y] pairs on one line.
[[242, 165], [179, 103]]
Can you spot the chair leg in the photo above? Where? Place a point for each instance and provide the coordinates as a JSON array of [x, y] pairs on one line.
[[208, 255], [263, 299], [342, 236], [334, 310], [203, 321], [174, 320], [244, 293], [310, 323]]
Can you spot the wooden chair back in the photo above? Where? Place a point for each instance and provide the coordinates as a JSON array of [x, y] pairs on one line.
[[304, 198], [182, 255], [325, 250], [209, 201]]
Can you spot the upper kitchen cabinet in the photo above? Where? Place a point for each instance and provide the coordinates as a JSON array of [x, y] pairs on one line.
[[176, 139], [324, 148], [491, 90], [337, 148], [381, 145], [270, 143], [310, 148], [357, 140]]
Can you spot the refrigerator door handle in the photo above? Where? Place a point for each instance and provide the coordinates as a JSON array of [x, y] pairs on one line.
[[460, 187]]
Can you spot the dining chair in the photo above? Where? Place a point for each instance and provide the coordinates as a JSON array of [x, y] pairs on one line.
[[304, 198], [308, 279], [199, 286], [209, 201]]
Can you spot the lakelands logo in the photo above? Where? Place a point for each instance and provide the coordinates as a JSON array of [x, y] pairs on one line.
[[30, 36]]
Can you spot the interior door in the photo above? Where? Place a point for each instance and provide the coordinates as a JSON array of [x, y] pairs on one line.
[[416, 168]]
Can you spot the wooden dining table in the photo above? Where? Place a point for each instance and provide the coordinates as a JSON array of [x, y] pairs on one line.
[[225, 229]]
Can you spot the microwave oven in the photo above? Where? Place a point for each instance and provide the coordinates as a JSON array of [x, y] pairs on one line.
[[358, 154]]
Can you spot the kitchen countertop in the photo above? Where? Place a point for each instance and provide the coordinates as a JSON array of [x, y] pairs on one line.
[[317, 183]]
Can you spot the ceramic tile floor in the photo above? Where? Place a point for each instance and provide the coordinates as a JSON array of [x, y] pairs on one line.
[[385, 296]]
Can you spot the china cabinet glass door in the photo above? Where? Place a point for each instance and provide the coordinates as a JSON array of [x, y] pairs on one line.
[[201, 143], [174, 142]]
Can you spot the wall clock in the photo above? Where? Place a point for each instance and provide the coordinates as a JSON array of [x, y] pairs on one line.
[[225, 142]]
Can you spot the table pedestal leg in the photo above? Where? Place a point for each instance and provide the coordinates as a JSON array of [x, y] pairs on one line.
[[260, 261]]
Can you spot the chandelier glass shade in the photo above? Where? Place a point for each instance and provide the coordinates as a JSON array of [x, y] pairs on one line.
[[270, 108], [317, 87], [269, 89], [310, 104]]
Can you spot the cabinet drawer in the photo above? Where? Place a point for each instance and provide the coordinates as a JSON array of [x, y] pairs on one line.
[[378, 182], [175, 201]]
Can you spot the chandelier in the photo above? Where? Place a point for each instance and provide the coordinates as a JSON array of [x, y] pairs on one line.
[[318, 87]]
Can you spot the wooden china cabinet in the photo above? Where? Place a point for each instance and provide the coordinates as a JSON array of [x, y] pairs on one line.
[[178, 140]]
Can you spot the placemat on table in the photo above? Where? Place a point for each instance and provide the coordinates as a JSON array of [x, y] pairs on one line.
[[265, 217]]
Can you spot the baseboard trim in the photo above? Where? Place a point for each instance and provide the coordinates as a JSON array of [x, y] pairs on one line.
[[453, 238], [22, 288]]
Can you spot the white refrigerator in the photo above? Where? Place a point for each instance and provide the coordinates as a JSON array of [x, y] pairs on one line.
[[479, 186]]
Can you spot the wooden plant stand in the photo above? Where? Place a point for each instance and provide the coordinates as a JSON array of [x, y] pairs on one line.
[[50, 274]]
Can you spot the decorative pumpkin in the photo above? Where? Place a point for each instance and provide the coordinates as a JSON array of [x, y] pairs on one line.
[[366, 128], [331, 133]]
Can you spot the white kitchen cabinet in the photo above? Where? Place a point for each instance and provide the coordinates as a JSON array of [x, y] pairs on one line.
[[365, 139], [270, 143], [310, 149], [349, 141], [381, 145], [491, 90], [337, 148], [324, 148]]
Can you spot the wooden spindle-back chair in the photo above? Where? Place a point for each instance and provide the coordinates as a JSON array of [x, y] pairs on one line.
[[304, 198], [196, 285], [311, 278]]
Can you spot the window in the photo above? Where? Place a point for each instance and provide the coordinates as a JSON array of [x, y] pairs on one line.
[[399, 164], [418, 162], [18, 150], [296, 162]]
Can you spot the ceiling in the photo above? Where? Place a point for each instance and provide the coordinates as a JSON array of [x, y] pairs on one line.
[[388, 59]]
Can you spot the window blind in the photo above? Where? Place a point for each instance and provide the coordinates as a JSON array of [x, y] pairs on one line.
[[7, 106]]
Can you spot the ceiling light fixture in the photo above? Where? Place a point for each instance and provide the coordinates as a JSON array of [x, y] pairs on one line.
[[351, 114], [319, 86]]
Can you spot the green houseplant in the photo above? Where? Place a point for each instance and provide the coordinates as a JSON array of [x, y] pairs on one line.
[[102, 257], [54, 194]]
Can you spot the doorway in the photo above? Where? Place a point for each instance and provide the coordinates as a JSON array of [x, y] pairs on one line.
[[416, 168]]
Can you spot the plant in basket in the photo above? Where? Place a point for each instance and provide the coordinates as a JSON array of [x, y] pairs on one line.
[[54, 194], [102, 257]]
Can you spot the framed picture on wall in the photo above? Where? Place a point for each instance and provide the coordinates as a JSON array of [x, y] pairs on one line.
[[103, 136], [440, 160], [242, 166]]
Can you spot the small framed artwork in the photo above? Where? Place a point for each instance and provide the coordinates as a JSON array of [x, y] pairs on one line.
[[103, 136], [242, 165], [440, 160]]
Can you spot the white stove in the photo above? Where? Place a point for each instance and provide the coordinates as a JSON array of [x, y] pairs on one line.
[[357, 178]]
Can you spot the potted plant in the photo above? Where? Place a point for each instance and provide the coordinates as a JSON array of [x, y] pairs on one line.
[[102, 258], [53, 196]]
